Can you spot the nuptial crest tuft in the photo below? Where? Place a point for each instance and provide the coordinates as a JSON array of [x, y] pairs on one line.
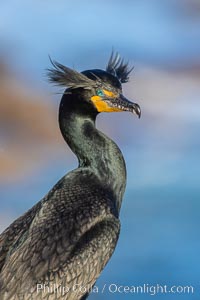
[[66, 77], [118, 68]]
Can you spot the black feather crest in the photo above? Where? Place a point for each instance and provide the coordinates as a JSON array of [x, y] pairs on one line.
[[64, 76], [118, 67]]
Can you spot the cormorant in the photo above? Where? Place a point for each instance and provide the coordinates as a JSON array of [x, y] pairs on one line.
[[59, 247]]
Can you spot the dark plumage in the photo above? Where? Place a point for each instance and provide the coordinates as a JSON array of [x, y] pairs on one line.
[[68, 237]]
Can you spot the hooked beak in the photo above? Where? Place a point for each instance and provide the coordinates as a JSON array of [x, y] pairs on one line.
[[125, 105], [112, 103]]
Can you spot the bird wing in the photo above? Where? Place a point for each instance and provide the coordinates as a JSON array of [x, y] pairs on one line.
[[12, 235], [68, 243], [15, 231]]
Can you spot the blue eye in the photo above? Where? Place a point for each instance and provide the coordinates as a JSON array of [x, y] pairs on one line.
[[100, 93]]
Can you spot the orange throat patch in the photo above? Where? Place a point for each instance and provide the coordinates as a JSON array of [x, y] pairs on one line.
[[102, 106]]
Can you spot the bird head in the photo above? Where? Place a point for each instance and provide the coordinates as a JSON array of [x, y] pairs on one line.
[[102, 89]]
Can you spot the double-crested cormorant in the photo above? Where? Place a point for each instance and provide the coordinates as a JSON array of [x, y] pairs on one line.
[[65, 240]]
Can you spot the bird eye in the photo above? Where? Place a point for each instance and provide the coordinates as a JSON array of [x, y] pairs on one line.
[[100, 93]]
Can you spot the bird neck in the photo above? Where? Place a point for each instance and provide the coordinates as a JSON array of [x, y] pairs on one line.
[[94, 150]]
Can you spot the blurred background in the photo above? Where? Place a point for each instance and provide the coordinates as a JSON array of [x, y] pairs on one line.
[[159, 241]]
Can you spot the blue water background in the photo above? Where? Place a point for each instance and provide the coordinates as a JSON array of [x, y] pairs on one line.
[[159, 241]]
